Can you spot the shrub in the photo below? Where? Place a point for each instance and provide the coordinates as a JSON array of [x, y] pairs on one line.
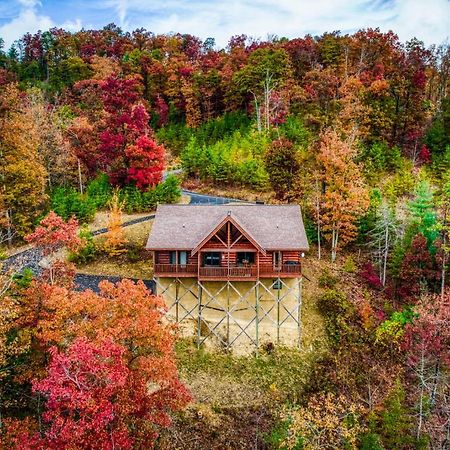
[[88, 251], [23, 279], [67, 202], [336, 309], [327, 280], [369, 274], [349, 265], [100, 190]]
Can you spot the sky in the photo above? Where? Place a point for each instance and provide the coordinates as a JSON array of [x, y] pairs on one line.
[[428, 20]]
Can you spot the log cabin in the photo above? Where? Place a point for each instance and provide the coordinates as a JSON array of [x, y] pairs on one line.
[[228, 242], [235, 271]]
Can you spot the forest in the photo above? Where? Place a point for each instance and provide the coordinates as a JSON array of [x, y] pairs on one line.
[[355, 128]]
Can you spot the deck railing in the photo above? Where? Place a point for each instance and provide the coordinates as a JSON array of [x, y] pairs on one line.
[[213, 272], [228, 272], [176, 269]]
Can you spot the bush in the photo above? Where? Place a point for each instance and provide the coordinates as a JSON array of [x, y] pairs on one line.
[[326, 280], [337, 310], [349, 265], [67, 202], [23, 279], [88, 251], [137, 201], [99, 190]]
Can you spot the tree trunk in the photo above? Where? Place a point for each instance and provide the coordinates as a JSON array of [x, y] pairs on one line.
[[385, 256], [319, 246], [80, 179], [334, 241], [9, 233]]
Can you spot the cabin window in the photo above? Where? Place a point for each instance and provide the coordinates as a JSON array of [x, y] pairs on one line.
[[276, 260], [211, 258], [243, 258], [277, 284], [182, 258]]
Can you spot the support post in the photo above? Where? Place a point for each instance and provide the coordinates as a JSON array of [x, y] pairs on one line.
[[299, 312], [257, 317], [228, 315], [177, 299], [279, 285], [199, 318]]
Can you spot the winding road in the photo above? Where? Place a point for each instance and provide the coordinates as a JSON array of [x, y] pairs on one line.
[[30, 258]]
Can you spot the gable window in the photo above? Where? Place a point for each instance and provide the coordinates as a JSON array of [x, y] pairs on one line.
[[244, 258], [211, 258]]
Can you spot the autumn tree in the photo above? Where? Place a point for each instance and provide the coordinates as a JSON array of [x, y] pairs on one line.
[[92, 396], [419, 271], [427, 344], [115, 239], [282, 165], [344, 197], [22, 174], [52, 234], [53, 149], [127, 149], [124, 324]]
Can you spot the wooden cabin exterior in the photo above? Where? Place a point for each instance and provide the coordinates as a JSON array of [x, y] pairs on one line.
[[228, 242]]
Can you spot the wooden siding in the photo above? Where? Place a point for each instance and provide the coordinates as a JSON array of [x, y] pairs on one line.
[[163, 257]]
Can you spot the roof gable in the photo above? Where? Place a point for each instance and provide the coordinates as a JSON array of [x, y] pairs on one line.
[[224, 221]]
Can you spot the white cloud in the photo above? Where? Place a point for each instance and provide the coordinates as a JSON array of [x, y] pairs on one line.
[[29, 3], [428, 20], [28, 20]]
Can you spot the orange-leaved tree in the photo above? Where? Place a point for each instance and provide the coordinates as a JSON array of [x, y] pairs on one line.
[[344, 196], [118, 335]]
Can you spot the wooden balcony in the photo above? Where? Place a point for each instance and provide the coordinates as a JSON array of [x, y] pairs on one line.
[[176, 270], [227, 273]]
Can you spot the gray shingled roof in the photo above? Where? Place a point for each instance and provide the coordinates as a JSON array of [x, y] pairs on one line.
[[183, 227]]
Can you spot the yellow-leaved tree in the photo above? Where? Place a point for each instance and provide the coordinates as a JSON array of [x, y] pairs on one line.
[[22, 174], [115, 237]]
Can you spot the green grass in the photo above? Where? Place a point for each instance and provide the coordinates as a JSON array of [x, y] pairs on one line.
[[282, 373]]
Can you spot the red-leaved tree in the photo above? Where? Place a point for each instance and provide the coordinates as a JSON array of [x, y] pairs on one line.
[[427, 347], [129, 152], [113, 378], [90, 398], [146, 162]]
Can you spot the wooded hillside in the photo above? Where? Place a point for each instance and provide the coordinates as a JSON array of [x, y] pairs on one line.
[[354, 128]]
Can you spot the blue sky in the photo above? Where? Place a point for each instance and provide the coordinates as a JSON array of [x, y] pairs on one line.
[[429, 20]]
